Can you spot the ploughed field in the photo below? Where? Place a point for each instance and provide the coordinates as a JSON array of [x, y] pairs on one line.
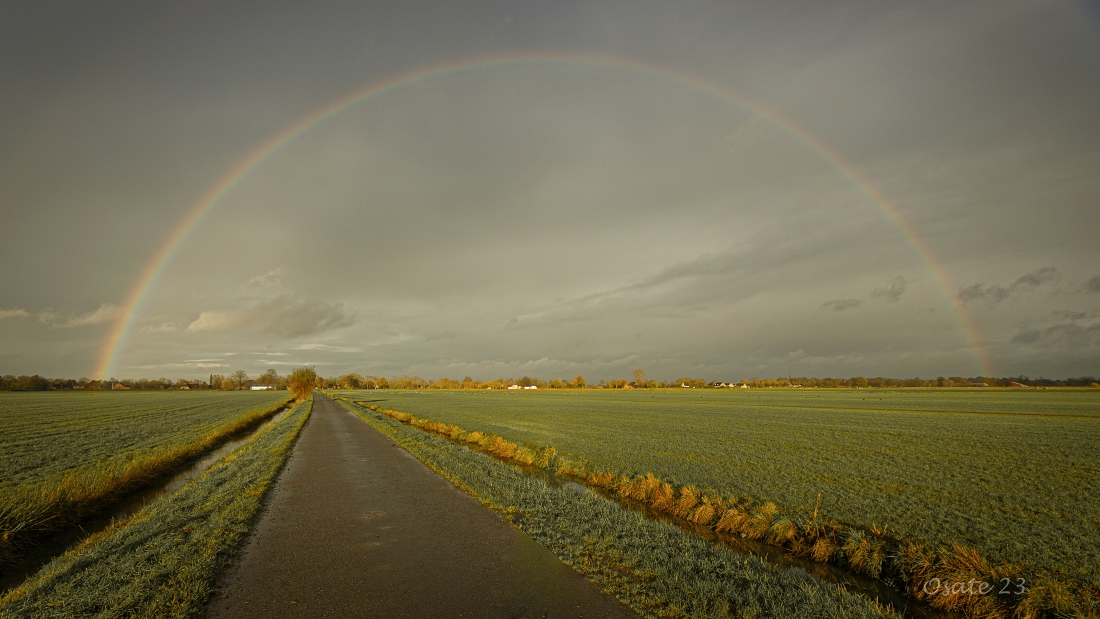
[[1011, 473]]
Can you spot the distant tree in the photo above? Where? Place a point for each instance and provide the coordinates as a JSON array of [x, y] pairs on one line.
[[350, 381], [270, 377], [639, 376], [618, 383], [578, 383], [30, 383], [240, 376], [301, 382]]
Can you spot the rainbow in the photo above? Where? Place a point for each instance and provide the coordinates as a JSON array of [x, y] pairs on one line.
[[140, 292]]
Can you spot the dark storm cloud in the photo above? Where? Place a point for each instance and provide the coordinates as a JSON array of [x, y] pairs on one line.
[[553, 219], [998, 293], [1070, 331], [893, 291]]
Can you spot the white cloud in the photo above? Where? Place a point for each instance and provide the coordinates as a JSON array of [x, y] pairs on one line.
[[13, 313], [166, 327], [104, 313], [270, 279], [282, 316]]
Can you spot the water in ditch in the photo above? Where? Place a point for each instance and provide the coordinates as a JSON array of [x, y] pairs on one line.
[[55, 545]]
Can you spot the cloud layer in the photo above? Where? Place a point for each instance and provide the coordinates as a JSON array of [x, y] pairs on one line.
[[283, 317]]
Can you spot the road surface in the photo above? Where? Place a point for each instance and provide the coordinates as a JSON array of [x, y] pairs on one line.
[[357, 527]]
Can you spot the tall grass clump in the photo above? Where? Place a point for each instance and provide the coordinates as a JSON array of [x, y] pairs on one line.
[[871, 552], [163, 562]]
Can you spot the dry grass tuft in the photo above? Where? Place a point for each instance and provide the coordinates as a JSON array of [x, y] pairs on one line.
[[704, 515], [732, 520], [525, 456], [864, 555], [544, 457], [758, 525], [663, 498], [782, 532], [823, 550], [689, 498], [601, 480]]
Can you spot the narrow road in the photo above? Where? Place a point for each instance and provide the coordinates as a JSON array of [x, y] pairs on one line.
[[357, 527]]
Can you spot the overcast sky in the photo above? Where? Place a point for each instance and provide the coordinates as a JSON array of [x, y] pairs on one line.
[[554, 220]]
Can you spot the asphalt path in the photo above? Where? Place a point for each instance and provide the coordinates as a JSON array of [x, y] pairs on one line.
[[357, 527]]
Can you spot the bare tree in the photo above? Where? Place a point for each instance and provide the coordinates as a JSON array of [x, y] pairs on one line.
[[639, 376], [240, 376]]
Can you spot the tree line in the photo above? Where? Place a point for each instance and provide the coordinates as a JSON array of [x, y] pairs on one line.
[[241, 380], [358, 381], [238, 380]]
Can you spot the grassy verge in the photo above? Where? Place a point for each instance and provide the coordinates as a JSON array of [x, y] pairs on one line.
[[654, 567], [31, 510], [953, 577], [163, 562]]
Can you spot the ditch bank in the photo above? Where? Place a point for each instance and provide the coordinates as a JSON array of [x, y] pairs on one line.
[[34, 555]]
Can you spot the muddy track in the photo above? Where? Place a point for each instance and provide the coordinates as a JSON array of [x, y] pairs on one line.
[[356, 527]]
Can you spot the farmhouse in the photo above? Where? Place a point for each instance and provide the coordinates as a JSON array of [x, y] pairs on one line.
[[263, 387]]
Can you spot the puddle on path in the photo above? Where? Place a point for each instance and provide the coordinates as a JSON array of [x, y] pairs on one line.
[[55, 545]]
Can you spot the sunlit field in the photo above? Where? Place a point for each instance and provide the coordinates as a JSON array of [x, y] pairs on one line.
[[163, 562], [1011, 473], [67, 455]]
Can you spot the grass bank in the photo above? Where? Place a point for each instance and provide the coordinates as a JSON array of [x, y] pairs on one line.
[[34, 509], [654, 567], [164, 561], [951, 577]]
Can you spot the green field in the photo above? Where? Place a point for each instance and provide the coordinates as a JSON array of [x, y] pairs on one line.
[[1012, 473], [46, 434], [164, 561], [67, 456], [654, 567]]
